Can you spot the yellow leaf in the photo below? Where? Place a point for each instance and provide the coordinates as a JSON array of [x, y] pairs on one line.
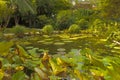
[[1, 74]]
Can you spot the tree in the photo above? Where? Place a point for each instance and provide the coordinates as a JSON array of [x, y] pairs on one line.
[[109, 8], [5, 13], [22, 8], [51, 7]]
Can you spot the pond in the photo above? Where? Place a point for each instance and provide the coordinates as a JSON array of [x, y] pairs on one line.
[[64, 43]]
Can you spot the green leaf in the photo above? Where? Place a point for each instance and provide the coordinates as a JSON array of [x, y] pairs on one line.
[[35, 76], [4, 48], [56, 68], [22, 52], [41, 73], [19, 76], [97, 62]]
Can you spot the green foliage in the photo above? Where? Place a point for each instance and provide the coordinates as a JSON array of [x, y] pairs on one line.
[[48, 29], [83, 65], [109, 8], [64, 19], [83, 24], [83, 13], [51, 7], [5, 12], [5, 46], [27, 6], [74, 28], [20, 75], [44, 20], [19, 30], [98, 25]]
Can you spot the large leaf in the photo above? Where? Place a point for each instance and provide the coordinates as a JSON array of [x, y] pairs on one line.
[[4, 48], [97, 62], [41, 74], [1, 74], [25, 7], [19, 76], [21, 51], [35, 76], [56, 68]]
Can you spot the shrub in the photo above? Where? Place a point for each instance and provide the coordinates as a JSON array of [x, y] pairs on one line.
[[19, 30], [48, 29], [74, 28], [64, 19], [82, 23], [44, 20]]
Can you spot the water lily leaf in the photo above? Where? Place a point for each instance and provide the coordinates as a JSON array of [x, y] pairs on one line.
[[103, 40], [116, 47], [61, 49], [47, 43], [29, 47], [59, 43]]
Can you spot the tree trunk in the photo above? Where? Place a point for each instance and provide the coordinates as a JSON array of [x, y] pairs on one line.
[[16, 18], [7, 22]]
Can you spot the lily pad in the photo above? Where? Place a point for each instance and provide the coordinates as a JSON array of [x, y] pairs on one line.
[[61, 52], [41, 41], [61, 49], [47, 43], [40, 50], [74, 38], [115, 51], [46, 36], [49, 39], [59, 43], [103, 40], [68, 41], [27, 43], [29, 47], [116, 47]]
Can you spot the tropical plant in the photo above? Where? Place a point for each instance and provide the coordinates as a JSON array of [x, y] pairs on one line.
[[44, 20], [83, 24], [74, 28], [109, 8], [48, 29], [64, 19], [19, 30], [5, 13], [85, 64], [27, 8]]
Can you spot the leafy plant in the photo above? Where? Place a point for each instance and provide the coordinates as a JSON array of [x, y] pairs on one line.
[[64, 19], [44, 20], [84, 64], [83, 24], [48, 29], [74, 28], [19, 30]]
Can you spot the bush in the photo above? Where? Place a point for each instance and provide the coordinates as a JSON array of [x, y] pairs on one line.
[[48, 29], [83, 24], [74, 28], [64, 19], [44, 20], [19, 30]]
